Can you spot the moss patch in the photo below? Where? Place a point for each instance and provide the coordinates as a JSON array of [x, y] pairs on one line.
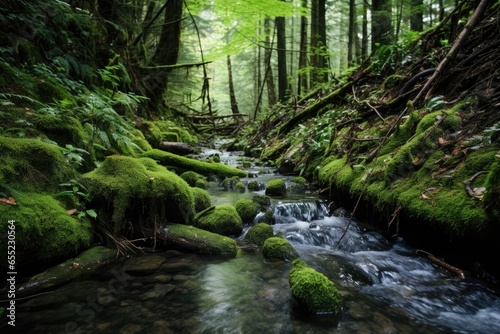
[[259, 233], [139, 189], [202, 199], [276, 187], [247, 209], [313, 290], [207, 242], [191, 177], [279, 248], [44, 229], [223, 219], [187, 164]]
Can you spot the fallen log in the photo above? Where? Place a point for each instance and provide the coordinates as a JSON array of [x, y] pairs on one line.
[[175, 147], [442, 264]]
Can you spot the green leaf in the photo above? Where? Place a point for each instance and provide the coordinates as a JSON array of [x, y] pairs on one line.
[[91, 213]]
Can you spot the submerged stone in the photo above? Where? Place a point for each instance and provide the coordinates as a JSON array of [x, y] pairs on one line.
[[143, 265]]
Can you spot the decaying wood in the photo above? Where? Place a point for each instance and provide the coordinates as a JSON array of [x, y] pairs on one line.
[[442, 264], [175, 66], [468, 182], [163, 239], [175, 147]]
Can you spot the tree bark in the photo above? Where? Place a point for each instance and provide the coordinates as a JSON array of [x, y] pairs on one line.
[[268, 76], [302, 76], [381, 23], [282, 70], [232, 95]]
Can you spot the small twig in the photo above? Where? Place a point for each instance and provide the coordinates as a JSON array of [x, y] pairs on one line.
[[468, 182], [368, 103]]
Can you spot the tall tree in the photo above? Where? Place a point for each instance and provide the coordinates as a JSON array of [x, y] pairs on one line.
[[268, 73], [282, 70], [302, 75], [232, 95], [417, 15], [351, 43], [381, 23], [319, 51]]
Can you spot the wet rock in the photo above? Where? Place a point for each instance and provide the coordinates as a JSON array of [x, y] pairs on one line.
[[159, 291], [161, 327], [175, 267], [143, 265], [131, 329]]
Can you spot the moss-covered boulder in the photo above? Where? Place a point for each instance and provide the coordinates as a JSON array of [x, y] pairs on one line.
[[229, 183], [138, 189], [253, 186], [201, 183], [44, 229], [313, 290], [298, 184], [223, 219], [262, 200], [247, 209], [259, 233], [32, 164], [191, 177], [266, 218], [277, 248], [276, 187], [187, 164], [240, 187], [200, 241], [202, 199]]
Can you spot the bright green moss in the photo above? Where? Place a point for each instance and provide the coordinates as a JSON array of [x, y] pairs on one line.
[[191, 177], [262, 200], [202, 199], [402, 133], [314, 290], [247, 209], [240, 187], [298, 183], [201, 183], [328, 171], [278, 248], [276, 187], [259, 233], [139, 189], [253, 186], [44, 229], [229, 183], [208, 243], [62, 129], [223, 219], [157, 131], [492, 196], [32, 165], [187, 164], [266, 218]]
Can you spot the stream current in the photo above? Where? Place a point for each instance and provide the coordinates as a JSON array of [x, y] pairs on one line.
[[386, 286]]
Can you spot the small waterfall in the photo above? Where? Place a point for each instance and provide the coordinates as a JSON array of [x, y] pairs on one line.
[[286, 213]]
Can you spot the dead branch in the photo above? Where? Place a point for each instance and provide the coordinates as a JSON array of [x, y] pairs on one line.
[[174, 66], [468, 182], [442, 264]]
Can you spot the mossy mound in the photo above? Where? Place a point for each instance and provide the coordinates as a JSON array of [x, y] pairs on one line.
[[223, 219], [279, 248], [203, 242], [298, 184], [187, 164], [240, 187], [492, 196], [138, 189], [229, 183], [157, 131], [259, 233], [247, 209], [63, 129], [191, 177], [44, 229], [276, 187], [313, 290], [32, 164], [267, 218], [201, 183], [202, 199], [253, 186], [262, 200]]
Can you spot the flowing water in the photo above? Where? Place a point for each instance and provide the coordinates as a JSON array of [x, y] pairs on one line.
[[386, 287]]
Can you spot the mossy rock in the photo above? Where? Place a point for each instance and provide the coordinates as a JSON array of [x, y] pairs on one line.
[[247, 209], [229, 183], [223, 219], [63, 129], [32, 164], [202, 199], [44, 229], [187, 164], [240, 187], [313, 290], [276, 187], [157, 131], [253, 186], [298, 184], [191, 177], [202, 241], [201, 183], [277, 248], [138, 189], [267, 218], [259, 233], [263, 200]]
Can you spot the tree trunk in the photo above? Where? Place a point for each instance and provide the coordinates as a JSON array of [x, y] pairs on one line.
[[381, 23], [417, 15], [269, 77], [232, 96], [364, 41], [352, 24], [282, 70], [319, 52], [302, 77]]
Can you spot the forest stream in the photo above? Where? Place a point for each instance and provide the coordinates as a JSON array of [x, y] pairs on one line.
[[386, 286]]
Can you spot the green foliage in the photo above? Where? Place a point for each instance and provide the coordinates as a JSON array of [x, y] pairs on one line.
[[277, 248], [259, 233], [314, 290], [492, 196], [223, 219]]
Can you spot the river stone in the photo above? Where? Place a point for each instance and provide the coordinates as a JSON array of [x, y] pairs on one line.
[[175, 267], [131, 329], [161, 327], [159, 290], [143, 265]]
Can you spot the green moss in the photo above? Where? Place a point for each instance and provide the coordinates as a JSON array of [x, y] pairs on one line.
[[266, 218], [209, 243], [201, 183], [262, 200], [223, 219], [328, 171], [33, 165], [313, 290], [191, 177], [240, 187], [170, 136], [61, 129], [279, 248], [253, 186], [187, 164], [157, 131], [492, 196], [259, 233], [247, 209], [229, 183], [402, 133], [276, 187], [140, 189], [44, 229], [201, 199], [298, 183]]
